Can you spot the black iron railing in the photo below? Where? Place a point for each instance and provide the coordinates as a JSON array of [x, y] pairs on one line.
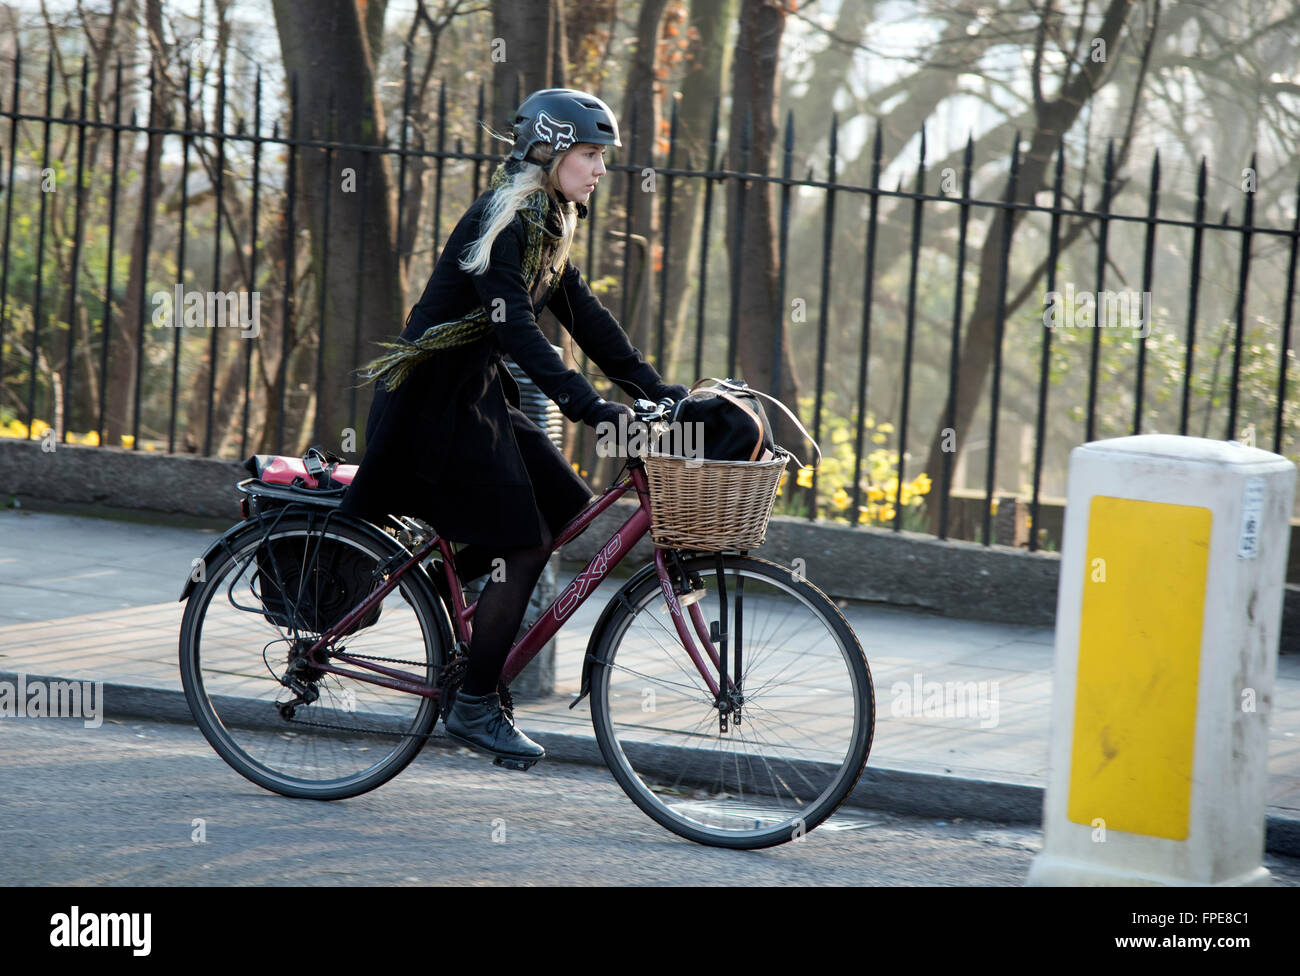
[[841, 360]]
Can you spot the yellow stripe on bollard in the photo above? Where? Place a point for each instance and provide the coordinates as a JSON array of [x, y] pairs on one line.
[[1139, 662]]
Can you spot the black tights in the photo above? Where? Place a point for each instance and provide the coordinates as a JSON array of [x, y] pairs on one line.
[[501, 605]]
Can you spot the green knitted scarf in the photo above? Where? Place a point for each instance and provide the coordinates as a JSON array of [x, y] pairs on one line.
[[392, 367]]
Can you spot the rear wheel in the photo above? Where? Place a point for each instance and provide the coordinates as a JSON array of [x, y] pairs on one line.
[[245, 634], [805, 704]]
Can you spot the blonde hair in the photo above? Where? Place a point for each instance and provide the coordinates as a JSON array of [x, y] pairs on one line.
[[513, 196]]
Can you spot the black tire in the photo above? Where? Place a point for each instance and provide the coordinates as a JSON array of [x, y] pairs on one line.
[[234, 647], [808, 714]]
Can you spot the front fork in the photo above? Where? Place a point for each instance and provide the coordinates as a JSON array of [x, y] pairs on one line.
[[683, 589]]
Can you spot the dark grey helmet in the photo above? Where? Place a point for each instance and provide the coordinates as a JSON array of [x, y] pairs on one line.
[[560, 118]]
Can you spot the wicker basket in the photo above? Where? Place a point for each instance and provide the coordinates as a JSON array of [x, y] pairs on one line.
[[711, 505]]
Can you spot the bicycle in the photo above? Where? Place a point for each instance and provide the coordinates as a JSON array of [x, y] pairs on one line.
[[748, 739]]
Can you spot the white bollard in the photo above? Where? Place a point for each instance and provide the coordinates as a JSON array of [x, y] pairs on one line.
[[1173, 564]]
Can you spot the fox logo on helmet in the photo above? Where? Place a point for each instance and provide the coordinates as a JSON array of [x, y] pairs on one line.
[[559, 134]]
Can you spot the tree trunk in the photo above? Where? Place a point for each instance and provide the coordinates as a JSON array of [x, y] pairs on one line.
[[708, 62], [527, 63], [227, 385], [271, 366], [1054, 119], [589, 26], [830, 71], [372, 16], [324, 45], [122, 378], [227, 412], [754, 91], [640, 136]]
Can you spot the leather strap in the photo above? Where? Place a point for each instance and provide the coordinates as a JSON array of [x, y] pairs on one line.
[[729, 385], [750, 412]]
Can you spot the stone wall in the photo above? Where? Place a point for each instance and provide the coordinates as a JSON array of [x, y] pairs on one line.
[[956, 579]]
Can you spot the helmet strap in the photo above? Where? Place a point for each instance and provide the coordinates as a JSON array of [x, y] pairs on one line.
[[514, 164]]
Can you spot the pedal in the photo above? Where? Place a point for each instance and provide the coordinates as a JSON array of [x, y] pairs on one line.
[[522, 765]]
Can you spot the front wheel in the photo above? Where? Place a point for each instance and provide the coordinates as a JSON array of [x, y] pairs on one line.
[[800, 719]]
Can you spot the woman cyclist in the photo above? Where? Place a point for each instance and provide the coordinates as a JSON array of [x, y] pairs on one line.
[[445, 438]]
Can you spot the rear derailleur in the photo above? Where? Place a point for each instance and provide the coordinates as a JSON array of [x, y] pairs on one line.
[[300, 677]]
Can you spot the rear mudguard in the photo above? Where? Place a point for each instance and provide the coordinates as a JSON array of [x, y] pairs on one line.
[[223, 543], [199, 567], [618, 603]]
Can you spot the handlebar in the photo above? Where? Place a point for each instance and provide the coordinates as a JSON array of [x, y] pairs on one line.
[[646, 414], [648, 411]]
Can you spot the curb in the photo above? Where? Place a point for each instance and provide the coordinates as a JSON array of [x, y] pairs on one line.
[[891, 790]]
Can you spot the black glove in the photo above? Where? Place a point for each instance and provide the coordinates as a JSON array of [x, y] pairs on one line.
[[602, 410], [672, 392]]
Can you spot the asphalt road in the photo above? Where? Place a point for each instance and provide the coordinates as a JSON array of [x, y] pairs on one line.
[[120, 805]]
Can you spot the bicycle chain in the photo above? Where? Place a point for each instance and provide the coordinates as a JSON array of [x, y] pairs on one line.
[[353, 728], [452, 675], [386, 660]]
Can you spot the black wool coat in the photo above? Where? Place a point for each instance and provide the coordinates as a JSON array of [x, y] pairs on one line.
[[450, 445]]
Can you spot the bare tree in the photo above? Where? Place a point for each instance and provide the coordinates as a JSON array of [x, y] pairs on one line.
[[425, 34], [327, 52], [528, 52], [1054, 117], [708, 63], [122, 375], [639, 132], [762, 343]]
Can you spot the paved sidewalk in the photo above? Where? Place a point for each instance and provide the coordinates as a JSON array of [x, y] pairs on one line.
[[96, 599]]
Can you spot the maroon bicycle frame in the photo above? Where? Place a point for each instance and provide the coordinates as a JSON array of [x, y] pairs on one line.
[[561, 609]]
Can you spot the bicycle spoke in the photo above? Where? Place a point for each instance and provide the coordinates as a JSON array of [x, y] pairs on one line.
[[704, 693], [673, 653], [805, 724], [345, 734]]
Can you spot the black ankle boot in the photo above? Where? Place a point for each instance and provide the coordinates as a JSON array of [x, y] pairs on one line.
[[478, 722]]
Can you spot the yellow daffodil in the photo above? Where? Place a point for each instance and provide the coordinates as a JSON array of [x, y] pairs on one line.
[[840, 499], [804, 478]]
